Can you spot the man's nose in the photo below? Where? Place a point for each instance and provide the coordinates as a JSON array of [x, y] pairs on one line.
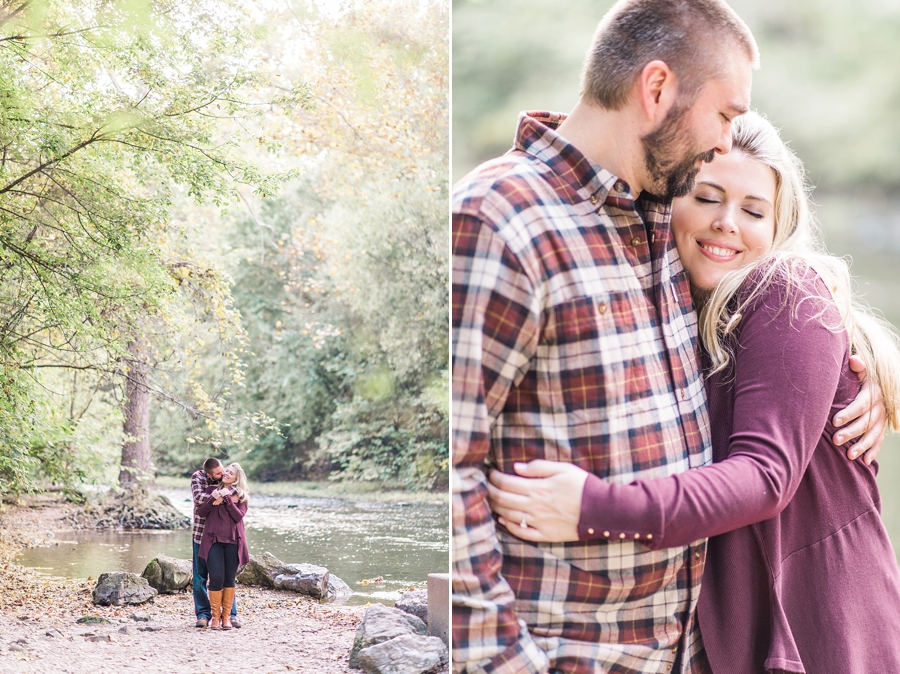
[[724, 144]]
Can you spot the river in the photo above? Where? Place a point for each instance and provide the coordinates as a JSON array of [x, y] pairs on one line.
[[355, 540]]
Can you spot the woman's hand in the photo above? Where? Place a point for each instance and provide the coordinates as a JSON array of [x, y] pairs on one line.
[[867, 415], [547, 499], [218, 501]]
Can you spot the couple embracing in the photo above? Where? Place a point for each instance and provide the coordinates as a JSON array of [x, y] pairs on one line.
[[220, 544], [654, 384]]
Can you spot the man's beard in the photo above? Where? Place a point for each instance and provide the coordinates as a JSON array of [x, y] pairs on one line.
[[671, 177]]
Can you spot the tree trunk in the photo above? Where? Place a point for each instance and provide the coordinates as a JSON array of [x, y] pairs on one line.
[[136, 450]]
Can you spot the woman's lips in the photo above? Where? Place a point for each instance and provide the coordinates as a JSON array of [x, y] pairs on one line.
[[717, 252]]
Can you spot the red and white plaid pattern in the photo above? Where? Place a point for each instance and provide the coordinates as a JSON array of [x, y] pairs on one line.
[[574, 339], [199, 483]]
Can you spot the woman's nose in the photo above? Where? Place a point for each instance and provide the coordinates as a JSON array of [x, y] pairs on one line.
[[725, 222]]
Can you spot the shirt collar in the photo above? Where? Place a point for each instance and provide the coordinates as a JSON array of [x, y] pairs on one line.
[[586, 180]]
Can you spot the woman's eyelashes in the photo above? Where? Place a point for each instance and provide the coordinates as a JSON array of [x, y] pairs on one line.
[[710, 200]]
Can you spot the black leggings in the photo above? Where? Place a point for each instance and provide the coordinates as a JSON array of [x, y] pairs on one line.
[[222, 564]]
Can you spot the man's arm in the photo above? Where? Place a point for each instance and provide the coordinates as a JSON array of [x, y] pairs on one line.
[[199, 483], [496, 321]]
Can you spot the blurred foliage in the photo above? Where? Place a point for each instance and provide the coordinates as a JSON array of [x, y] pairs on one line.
[[256, 189], [108, 110], [342, 280]]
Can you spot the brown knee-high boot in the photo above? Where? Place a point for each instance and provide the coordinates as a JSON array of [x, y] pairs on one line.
[[227, 601], [215, 603]]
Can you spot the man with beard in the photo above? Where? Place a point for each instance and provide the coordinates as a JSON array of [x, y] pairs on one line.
[[574, 339]]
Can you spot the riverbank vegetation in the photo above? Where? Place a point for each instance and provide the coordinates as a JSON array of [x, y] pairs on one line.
[[223, 233]]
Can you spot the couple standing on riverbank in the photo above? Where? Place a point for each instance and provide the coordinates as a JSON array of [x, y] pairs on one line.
[[220, 544]]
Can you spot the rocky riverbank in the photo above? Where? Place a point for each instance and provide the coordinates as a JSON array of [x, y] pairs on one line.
[[39, 632]]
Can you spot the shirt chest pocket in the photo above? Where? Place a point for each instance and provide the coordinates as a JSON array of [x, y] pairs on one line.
[[570, 350]]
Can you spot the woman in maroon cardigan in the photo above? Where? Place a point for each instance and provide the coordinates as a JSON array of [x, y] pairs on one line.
[[224, 544], [800, 575]]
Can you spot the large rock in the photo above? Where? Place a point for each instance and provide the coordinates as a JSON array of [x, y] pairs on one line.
[[407, 654], [380, 624], [337, 589], [267, 570], [415, 603], [262, 570], [120, 587], [304, 578], [169, 575]]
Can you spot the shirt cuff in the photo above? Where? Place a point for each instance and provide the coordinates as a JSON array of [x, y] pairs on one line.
[[617, 513]]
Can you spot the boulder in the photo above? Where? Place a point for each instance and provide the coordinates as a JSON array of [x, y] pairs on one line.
[[120, 587], [337, 589], [169, 575], [415, 603], [407, 654], [267, 570], [262, 570], [380, 624], [304, 578]]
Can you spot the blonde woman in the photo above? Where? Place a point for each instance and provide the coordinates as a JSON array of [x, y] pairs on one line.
[[224, 544], [800, 575]]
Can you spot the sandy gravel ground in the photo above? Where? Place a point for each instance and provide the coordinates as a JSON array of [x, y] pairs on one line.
[[282, 631]]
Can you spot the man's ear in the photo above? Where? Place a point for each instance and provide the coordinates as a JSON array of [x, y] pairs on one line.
[[657, 89]]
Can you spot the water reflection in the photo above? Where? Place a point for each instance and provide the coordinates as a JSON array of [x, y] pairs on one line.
[[402, 543]]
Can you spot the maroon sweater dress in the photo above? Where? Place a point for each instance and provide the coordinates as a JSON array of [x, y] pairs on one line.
[[800, 574], [224, 524]]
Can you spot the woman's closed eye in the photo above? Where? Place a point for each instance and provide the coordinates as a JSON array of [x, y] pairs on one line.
[[705, 200], [754, 214]]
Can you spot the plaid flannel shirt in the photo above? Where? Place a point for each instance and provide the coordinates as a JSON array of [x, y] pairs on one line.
[[574, 339], [199, 483]]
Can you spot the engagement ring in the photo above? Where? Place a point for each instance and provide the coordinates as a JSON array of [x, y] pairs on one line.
[[524, 522]]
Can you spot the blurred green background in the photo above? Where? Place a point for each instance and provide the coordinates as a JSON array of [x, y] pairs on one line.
[[829, 80]]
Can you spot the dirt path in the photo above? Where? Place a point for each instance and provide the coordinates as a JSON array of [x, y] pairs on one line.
[[282, 631]]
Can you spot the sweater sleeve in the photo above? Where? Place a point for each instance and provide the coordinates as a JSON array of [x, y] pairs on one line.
[[786, 372], [235, 510], [205, 504]]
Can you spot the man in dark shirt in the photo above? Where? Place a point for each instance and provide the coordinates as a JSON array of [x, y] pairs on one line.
[[211, 473]]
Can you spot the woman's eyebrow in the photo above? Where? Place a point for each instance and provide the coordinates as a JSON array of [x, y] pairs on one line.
[[713, 185]]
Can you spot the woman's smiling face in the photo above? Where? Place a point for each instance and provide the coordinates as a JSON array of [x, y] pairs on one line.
[[229, 476], [727, 221]]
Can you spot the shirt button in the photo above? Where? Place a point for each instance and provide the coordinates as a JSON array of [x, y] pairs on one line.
[[593, 199], [602, 308], [635, 242], [697, 555], [622, 535], [606, 534], [637, 536], [590, 531], [619, 186], [649, 537], [682, 394]]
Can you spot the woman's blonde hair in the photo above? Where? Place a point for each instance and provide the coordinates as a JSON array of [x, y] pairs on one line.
[[240, 482], [798, 248]]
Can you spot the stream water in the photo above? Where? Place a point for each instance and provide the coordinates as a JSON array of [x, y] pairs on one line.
[[354, 540]]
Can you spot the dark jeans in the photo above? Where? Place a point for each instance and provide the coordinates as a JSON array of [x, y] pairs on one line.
[[222, 564], [201, 598]]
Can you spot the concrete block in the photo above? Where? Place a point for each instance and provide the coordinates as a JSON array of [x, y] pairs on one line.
[[439, 606]]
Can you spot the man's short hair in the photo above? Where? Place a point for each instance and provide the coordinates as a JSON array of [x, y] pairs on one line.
[[211, 464], [688, 35]]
